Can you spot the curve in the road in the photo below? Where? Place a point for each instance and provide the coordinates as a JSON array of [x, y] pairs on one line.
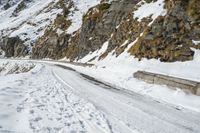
[[130, 112]]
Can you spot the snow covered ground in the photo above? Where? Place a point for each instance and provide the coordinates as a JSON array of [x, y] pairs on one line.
[[130, 112], [36, 102]]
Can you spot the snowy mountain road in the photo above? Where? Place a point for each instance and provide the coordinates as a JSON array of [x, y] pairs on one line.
[[50, 97], [130, 112]]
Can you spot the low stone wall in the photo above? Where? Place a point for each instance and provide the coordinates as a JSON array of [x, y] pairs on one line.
[[78, 63], [153, 78]]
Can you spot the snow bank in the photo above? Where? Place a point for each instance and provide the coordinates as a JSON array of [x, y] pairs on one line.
[[7, 67]]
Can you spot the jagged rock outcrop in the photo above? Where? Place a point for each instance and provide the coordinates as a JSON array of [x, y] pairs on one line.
[[170, 37], [127, 32], [100, 22], [53, 44], [13, 47]]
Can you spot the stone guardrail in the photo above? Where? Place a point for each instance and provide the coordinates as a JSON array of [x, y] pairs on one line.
[[153, 78], [77, 63]]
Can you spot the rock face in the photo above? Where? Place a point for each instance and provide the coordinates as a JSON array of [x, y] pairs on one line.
[[100, 22], [53, 43], [127, 32], [13, 47], [98, 25], [170, 37]]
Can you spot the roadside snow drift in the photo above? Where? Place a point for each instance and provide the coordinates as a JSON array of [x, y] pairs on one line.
[[15, 67]]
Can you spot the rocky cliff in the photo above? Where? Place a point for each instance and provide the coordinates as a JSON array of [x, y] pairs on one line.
[[168, 30], [170, 37]]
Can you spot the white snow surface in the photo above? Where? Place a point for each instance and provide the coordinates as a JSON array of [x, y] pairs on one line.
[[196, 42], [37, 102], [147, 9], [128, 111]]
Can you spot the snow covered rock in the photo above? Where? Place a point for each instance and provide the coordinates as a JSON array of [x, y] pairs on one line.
[[169, 37], [26, 20]]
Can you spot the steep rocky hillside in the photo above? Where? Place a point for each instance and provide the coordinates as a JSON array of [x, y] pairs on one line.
[[90, 30], [171, 37], [23, 22]]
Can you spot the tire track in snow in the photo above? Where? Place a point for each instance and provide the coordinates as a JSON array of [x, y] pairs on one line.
[[122, 126], [89, 124], [54, 108]]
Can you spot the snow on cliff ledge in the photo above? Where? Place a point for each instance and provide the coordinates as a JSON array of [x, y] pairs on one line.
[[147, 9], [81, 7]]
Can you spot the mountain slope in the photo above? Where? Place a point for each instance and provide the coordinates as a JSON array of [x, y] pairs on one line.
[[25, 21], [161, 29]]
